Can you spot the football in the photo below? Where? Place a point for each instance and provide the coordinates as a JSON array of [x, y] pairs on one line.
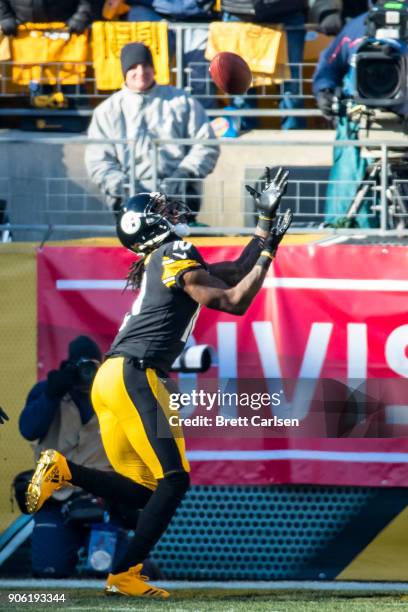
[[230, 73]]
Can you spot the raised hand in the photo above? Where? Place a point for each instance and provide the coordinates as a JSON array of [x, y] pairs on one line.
[[267, 202], [278, 232]]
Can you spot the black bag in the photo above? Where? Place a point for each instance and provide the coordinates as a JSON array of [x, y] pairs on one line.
[[84, 508], [271, 11], [20, 484], [263, 11], [239, 7]]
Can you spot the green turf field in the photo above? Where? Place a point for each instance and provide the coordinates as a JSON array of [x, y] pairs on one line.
[[222, 601]]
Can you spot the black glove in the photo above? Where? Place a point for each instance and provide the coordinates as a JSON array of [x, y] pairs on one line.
[[274, 239], [77, 23], [325, 100], [59, 382], [278, 231], [8, 26], [331, 23], [267, 202], [3, 416]]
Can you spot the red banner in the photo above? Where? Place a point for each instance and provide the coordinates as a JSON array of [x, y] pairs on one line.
[[337, 311]]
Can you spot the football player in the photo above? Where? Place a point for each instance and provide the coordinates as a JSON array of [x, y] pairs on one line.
[[129, 393]]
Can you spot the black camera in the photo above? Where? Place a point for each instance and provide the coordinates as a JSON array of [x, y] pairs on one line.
[[85, 371], [381, 62]]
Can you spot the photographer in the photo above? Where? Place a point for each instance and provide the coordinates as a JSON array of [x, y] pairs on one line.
[[334, 68], [334, 74], [58, 414]]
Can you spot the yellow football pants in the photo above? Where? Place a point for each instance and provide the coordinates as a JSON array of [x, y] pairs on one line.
[[132, 409]]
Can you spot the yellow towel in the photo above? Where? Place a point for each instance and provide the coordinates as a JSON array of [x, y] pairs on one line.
[[39, 44], [5, 51], [264, 49], [108, 38]]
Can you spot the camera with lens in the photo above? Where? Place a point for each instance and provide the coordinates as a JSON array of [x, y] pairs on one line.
[[85, 370], [381, 61]]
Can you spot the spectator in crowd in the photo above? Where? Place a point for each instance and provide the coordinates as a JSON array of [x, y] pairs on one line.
[[293, 16], [143, 111], [332, 76], [194, 38], [77, 14], [58, 414], [331, 15]]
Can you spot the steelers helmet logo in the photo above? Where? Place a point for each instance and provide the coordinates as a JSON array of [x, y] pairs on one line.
[[130, 222]]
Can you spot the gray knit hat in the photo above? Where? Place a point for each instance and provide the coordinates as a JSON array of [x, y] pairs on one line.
[[135, 53]]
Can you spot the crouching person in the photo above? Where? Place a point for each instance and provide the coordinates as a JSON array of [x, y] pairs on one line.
[[58, 414]]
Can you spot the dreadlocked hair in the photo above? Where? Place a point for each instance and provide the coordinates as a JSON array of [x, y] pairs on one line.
[[135, 274]]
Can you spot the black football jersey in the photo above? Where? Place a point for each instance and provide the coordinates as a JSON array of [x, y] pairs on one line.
[[163, 315]]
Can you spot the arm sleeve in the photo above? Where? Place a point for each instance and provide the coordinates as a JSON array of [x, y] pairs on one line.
[[38, 413], [232, 272], [102, 164], [84, 12], [180, 257], [334, 62], [200, 159], [331, 68]]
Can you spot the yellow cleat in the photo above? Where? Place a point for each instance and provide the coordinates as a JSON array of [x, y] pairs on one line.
[[133, 584], [52, 473]]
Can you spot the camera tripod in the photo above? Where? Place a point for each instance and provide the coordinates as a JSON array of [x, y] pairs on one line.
[[371, 186]]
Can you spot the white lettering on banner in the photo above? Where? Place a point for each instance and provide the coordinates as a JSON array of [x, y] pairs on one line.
[[395, 350], [357, 351], [312, 364], [268, 353], [188, 382], [227, 363]]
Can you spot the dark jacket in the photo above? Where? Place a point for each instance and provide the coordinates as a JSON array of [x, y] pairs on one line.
[[266, 11], [40, 410], [44, 11], [335, 61]]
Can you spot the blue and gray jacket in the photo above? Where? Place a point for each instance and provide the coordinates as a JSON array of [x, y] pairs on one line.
[[334, 69]]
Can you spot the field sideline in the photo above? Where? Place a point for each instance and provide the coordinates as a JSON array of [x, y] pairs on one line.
[[358, 598]]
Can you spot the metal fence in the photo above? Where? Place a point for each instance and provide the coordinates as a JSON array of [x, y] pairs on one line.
[[44, 183], [193, 76], [185, 78]]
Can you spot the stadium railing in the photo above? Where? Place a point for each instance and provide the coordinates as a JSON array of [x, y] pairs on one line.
[[44, 183], [181, 76]]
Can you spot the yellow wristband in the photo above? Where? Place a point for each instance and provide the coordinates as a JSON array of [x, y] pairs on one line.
[[267, 254]]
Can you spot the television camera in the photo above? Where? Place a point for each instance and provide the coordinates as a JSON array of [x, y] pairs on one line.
[[381, 61]]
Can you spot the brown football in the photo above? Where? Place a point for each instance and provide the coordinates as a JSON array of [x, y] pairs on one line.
[[230, 73]]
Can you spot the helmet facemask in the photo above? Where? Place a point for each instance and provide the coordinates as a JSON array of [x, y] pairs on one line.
[[175, 212]]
